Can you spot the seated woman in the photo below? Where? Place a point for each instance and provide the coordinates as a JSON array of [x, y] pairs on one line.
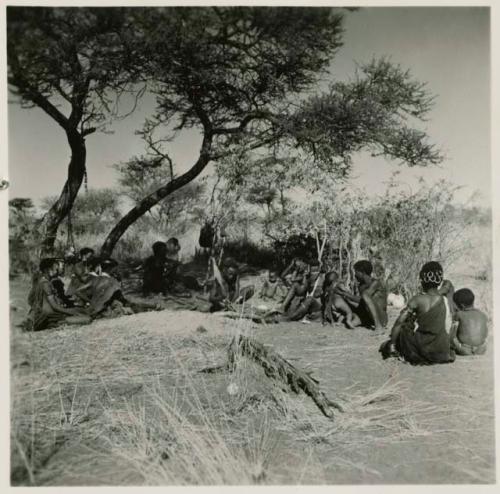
[[428, 342], [58, 284], [369, 308], [225, 289], [80, 271], [103, 292], [47, 310]]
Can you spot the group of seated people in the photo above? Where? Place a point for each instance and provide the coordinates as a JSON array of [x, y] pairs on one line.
[[94, 291], [433, 327], [438, 323]]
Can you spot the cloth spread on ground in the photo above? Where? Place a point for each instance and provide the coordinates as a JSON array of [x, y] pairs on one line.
[[102, 289]]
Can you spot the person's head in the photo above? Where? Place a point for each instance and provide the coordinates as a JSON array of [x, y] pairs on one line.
[[173, 245], [230, 269], [86, 253], [48, 266], [300, 264], [60, 266], [431, 275], [363, 269], [273, 276], [159, 249], [95, 265], [464, 298], [330, 279], [107, 265]]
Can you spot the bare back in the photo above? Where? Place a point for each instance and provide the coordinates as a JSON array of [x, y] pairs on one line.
[[472, 327], [421, 304]]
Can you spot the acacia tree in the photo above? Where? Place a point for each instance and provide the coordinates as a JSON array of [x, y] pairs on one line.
[[142, 175], [226, 72], [69, 63], [239, 76]]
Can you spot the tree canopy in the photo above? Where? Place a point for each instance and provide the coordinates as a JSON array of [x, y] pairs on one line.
[[246, 78], [71, 63]]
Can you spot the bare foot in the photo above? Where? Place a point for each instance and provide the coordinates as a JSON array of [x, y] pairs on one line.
[[349, 324]]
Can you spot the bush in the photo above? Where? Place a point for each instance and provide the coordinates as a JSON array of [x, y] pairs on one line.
[[405, 229]]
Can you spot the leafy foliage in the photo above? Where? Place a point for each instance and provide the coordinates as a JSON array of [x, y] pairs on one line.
[[405, 229]]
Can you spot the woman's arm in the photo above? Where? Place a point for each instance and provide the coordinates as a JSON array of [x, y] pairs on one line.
[[53, 303], [288, 269], [403, 316], [80, 292]]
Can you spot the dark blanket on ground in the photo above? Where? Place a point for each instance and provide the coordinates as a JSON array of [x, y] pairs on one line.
[[429, 343]]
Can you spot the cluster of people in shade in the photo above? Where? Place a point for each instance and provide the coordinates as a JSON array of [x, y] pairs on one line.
[[433, 327]]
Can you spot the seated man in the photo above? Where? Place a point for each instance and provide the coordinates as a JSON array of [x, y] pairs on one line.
[[273, 288], [308, 291], [333, 302], [369, 308], [428, 342], [47, 310], [225, 289], [471, 325], [299, 282], [154, 277], [294, 272], [178, 284]]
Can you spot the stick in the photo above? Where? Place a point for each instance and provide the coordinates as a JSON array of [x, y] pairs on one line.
[[320, 257], [276, 367]]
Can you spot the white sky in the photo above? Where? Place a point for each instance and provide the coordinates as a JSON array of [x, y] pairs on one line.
[[447, 47]]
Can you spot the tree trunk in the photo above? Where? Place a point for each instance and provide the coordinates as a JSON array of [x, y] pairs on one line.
[[151, 200], [63, 205]]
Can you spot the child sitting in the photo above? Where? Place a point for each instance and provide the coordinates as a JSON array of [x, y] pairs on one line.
[[471, 329], [273, 287]]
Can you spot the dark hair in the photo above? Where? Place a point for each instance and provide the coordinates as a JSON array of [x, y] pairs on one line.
[[108, 263], [229, 263], [431, 275], [464, 298], [158, 247], [174, 241], [86, 250], [330, 278], [364, 266], [47, 263], [95, 262]]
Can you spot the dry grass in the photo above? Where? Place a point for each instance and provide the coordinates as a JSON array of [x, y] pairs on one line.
[[122, 402]]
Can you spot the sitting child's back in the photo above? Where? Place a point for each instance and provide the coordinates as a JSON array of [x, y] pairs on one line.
[[472, 325]]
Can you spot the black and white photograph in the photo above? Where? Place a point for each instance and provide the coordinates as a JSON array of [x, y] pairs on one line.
[[249, 245]]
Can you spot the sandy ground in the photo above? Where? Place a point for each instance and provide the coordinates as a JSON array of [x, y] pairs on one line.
[[445, 435]]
